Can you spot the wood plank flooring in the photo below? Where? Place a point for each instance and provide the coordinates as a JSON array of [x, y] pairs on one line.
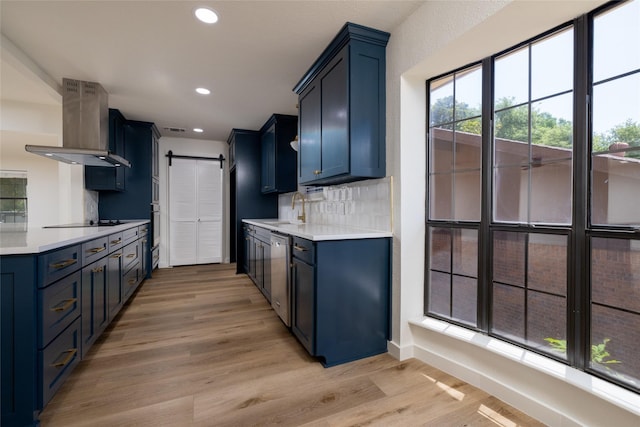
[[200, 346]]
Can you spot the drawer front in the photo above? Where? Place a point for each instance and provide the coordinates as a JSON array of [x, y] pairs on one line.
[[263, 234], [130, 280], [143, 230], [130, 255], [130, 235], [58, 359], [59, 305], [94, 250], [303, 249], [115, 242], [57, 264]]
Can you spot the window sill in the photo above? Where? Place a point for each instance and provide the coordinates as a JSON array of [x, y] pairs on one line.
[[604, 390]]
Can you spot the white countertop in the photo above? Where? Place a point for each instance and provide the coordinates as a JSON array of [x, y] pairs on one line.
[[37, 239], [318, 232]]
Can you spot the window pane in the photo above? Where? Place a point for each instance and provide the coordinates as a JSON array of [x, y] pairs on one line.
[[552, 65], [513, 124], [441, 96], [465, 252], [440, 200], [468, 93], [552, 125], [551, 192], [467, 193], [465, 299], [546, 319], [439, 293], [615, 273], [468, 144], [618, 333], [511, 198], [508, 311], [616, 41], [512, 78], [441, 150], [440, 249], [508, 257], [547, 263], [616, 113], [614, 190]]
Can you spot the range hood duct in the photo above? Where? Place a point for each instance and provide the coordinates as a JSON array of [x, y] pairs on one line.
[[85, 127]]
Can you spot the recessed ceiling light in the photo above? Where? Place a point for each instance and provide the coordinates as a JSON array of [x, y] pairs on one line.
[[198, 130], [203, 91], [206, 15]]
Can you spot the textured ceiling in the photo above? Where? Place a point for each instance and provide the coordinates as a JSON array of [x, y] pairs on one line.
[[151, 55]]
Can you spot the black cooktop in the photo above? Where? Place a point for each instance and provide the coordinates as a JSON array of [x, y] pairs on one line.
[[99, 223]]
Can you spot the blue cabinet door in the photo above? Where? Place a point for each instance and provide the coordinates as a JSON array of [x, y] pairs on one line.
[[335, 118], [268, 147], [303, 304], [115, 291], [309, 148], [95, 314]]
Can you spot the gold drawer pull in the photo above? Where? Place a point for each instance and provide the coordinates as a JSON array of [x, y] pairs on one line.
[[116, 255], [144, 240], [96, 250], [132, 282], [300, 248], [98, 270], [70, 354], [63, 305], [317, 172], [131, 255], [63, 264], [116, 242]]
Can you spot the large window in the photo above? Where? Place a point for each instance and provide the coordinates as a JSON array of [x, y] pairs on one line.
[[551, 224], [455, 158]]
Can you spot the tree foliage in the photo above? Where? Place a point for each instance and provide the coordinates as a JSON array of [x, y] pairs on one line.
[[513, 123]]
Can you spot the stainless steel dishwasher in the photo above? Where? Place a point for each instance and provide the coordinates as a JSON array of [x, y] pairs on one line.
[[280, 276]]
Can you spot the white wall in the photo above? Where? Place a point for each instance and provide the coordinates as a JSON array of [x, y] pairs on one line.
[[190, 147], [437, 38], [55, 190]]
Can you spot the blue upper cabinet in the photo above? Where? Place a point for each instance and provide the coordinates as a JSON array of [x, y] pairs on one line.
[[342, 110], [278, 159], [109, 179]]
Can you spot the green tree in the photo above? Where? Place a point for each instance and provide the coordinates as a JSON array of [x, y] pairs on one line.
[[442, 112]]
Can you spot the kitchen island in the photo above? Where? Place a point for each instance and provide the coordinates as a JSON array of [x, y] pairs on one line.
[[339, 285], [59, 289]]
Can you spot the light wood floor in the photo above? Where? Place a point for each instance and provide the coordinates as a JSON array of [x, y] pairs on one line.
[[200, 346]]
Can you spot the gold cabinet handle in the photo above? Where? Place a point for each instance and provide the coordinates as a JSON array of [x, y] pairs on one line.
[[144, 240], [116, 242], [317, 172], [98, 270], [116, 255], [132, 282], [300, 248], [70, 353], [96, 250], [64, 305], [131, 255], [63, 264]]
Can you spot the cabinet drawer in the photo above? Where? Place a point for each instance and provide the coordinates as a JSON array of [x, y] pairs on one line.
[[94, 250], [59, 306], [58, 359], [130, 255], [131, 279], [57, 264], [115, 242], [263, 234], [143, 230], [304, 250], [130, 235]]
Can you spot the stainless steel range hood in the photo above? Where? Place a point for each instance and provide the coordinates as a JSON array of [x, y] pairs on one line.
[[85, 127]]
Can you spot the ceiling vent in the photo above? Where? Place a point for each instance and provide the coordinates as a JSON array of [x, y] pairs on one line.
[[175, 129]]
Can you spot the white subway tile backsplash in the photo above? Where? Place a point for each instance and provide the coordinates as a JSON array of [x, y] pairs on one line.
[[362, 204]]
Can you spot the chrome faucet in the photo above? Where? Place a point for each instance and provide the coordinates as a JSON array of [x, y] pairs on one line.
[[303, 216]]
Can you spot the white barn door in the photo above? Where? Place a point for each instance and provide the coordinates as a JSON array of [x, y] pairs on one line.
[[195, 212]]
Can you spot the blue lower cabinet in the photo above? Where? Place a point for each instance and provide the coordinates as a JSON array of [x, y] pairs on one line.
[[58, 359], [95, 312], [341, 298]]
